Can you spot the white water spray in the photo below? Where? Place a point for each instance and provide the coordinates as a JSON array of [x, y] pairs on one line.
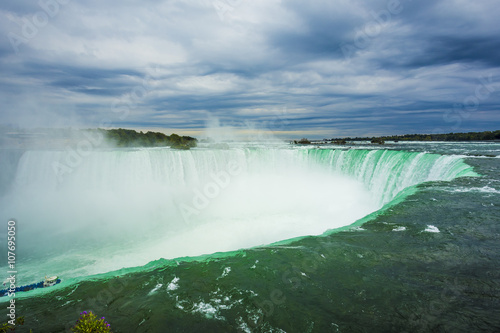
[[123, 208]]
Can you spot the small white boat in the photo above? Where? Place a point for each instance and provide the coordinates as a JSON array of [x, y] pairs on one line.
[[50, 281]]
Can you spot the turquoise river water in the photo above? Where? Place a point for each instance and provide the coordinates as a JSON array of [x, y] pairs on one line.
[[402, 237]]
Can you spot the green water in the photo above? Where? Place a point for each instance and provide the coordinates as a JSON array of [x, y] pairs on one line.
[[389, 272]]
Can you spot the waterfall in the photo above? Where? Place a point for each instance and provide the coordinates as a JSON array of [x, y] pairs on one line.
[[124, 207]]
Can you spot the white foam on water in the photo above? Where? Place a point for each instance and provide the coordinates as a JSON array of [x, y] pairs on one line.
[[431, 228], [225, 273], [208, 310], [173, 284], [484, 189], [155, 289], [244, 326]]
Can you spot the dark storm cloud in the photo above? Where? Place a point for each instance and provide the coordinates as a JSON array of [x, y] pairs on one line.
[[320, 28], [343, 67], [452, 49]]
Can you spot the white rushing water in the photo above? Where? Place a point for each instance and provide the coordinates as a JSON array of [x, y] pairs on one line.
[[126, 207]]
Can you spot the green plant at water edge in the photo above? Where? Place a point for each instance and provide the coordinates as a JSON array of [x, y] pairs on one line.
[[6, 327], [89, 323]]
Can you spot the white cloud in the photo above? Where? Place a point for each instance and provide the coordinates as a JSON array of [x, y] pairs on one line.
[[254, 57]]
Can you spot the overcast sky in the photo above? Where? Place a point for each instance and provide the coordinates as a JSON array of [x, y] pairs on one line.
[[297, 68]]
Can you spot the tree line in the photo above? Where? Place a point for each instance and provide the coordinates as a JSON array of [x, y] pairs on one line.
[[131, 138], [470, 136]]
